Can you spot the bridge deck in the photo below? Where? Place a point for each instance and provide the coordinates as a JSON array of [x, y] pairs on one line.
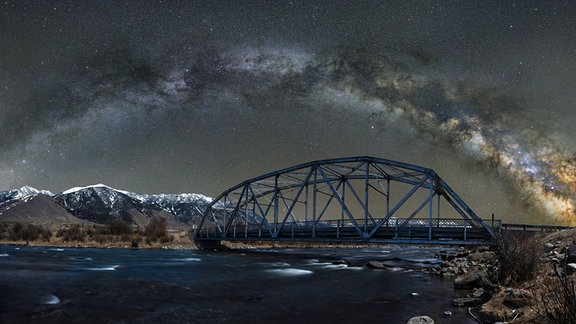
[[406, 231]]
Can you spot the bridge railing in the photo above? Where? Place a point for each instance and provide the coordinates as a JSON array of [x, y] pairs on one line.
[[345, 229], [532, 228]]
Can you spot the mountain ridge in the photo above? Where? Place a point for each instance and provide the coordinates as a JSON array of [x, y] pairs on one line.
[[100, 204]]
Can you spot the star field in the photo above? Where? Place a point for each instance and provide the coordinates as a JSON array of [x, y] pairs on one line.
[[179, 96]]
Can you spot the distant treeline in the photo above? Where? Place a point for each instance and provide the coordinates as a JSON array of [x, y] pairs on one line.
[[117, 230]]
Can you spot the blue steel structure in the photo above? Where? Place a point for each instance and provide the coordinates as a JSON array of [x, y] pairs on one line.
[[356, 199]]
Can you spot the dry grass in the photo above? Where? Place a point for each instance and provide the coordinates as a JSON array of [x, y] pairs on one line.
[[555, 297], [519, 258]]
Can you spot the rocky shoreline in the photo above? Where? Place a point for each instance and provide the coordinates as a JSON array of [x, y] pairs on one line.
[[490, 295], [493, 298]]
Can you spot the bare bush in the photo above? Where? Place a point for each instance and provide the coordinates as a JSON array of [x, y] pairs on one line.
[[120, 227], [28, 232], [45, 234], [156, 229], [101, 238], [74, 233], [556, 298], [31, 232], [4, 230], [15, 233], [135, 239], [167, 239], [519, 258]]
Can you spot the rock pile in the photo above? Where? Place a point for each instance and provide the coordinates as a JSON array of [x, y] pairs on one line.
[[560, 254], [521, 303], [461, 261], [421, 320], [476, 271]]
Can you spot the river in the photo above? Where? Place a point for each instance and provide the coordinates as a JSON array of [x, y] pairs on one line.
[[86, 285]]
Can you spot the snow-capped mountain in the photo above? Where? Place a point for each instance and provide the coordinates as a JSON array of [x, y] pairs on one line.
[[21, 194], [186, 207], [100, 203], [97, 196], [37, 209]]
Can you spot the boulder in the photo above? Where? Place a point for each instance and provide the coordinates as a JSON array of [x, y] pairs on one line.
[[517, 298], [480, 257], [472, 279], [478, 293], [421, 320], [515, 302], [571, 254], [375, 265], [548, 247], [466, 301]]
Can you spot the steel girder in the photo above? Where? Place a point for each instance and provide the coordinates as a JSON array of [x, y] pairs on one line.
[[356, 197]]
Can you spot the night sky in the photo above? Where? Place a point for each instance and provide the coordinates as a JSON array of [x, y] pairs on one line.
[[196, 96]]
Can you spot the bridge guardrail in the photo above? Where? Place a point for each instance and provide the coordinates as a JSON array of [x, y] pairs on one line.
[[532, 228], [394, 228]]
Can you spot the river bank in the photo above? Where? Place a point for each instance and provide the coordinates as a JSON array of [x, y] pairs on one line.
[[526, 278], [181, 241], [483, 290]]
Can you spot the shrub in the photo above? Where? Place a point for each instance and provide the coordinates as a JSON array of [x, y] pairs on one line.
[[74, 233], [101, 238], [15, 233], [555, 300], [45, 234], [156, 228], [135, 239], [167, 238], [91, 230], [27, 232], [4, 228], [120, 227], [30, 232], [518, 257]]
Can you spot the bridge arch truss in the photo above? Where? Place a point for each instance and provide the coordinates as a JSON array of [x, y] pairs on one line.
[[357, 199]]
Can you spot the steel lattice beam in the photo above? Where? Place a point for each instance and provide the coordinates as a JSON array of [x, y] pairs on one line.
[[349, 199]]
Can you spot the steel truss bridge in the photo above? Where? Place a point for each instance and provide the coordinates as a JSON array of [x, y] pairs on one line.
[[356, 200]]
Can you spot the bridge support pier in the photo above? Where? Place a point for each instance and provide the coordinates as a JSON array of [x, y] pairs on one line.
[[213, 245]]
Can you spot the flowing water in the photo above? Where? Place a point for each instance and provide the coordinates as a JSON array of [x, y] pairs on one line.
[[54, 285]]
